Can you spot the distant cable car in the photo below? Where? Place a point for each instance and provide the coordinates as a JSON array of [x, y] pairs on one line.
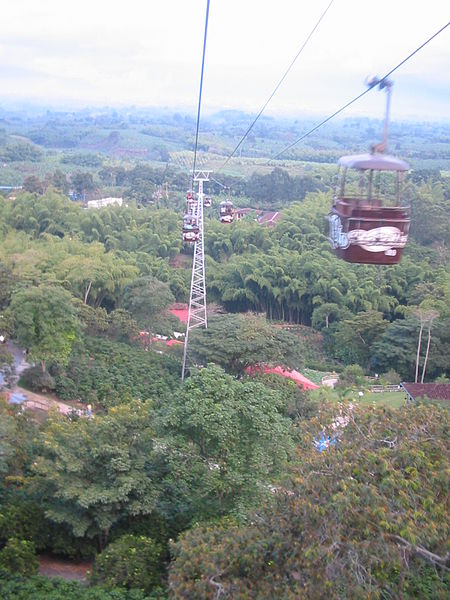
[[191, 200], [191, 229], [226, 212], [207, 201], [368, 223]]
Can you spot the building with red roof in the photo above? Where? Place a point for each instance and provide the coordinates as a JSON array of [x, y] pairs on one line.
[[299, 379], [432, 391], [181, 311]]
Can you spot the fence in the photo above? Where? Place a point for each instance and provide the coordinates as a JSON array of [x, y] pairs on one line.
[[385, 388]]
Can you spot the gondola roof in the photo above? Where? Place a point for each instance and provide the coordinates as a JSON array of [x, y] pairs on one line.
[[377, 161]]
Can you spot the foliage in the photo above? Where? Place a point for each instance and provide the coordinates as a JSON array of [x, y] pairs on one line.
[[391, 377], [237, 342], [93, 274], [397, 348], [351, 375], [17, 441], [23, 517], [82, 183], [229, 441], [92, 472], [37, 380], [23, 520], [33, 185], [295, 403], [8, 429], [145, 298], [45, 322], [130, 561], [430, 220], [19, 557], [6, 285], [361, 518], [6, 358], [109, 373], [353, 338], [16, 587]]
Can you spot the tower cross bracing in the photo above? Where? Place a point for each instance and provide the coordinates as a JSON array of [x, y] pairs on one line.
[[197, 299]]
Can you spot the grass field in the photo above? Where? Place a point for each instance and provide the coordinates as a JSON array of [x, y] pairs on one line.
[[392, 399]]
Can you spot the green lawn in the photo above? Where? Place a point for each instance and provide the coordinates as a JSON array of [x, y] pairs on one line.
[[392, 399]]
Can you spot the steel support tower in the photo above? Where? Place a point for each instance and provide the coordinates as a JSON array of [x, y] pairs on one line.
[[197, 299]]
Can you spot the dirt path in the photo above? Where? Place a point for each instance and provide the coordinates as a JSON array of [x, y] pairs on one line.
[[56, 567], [36, 401]]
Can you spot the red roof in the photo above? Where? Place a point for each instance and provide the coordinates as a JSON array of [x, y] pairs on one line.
[[181, 311], [173, 342], [299, 379], [433, 391]]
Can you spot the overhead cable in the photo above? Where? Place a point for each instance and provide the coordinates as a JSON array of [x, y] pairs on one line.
[[360, 95], [201, 88], [219, 183], [277, 86]]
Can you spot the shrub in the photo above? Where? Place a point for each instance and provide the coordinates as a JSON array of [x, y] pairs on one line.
[[391, 377], [19, 557], [24, 520], [14, 587], [132, 562], [351, 375], [37, 380]]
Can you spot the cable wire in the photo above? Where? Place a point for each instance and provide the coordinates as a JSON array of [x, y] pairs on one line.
[[218, 183], [277, 86], [201, 88], [360, 95]]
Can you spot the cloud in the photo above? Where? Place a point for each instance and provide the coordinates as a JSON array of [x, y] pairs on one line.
[[149, 52]]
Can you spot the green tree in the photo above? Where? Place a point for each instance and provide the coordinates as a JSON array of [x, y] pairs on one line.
[[354, 337], [229, 441], [83, 183], [60, 181], [145, 299], [7, 281], [367, 517], [238, 341], [92, 472], [397, 348], [33, 184], [95, 275], [45, 322]]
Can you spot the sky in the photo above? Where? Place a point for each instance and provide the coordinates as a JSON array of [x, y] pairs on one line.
[[148, 53]]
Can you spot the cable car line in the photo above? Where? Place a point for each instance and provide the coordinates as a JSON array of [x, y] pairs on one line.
[[277, 86], [218, 183], [201, 87], [358, 97]]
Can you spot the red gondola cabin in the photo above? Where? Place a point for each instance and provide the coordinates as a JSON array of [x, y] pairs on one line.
[[368, 223], [226, 212], [191, 229], [363, 227]]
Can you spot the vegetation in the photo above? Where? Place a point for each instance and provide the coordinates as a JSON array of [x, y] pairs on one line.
[[348, 524], [216, 487]]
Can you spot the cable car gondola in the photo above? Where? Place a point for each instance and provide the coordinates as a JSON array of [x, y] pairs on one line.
[[191, 229], [191, 200], [207, 201], [226, 212], [367, 222]]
